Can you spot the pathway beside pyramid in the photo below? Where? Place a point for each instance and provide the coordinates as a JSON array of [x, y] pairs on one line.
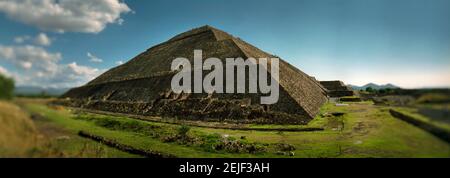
[[142, 86]]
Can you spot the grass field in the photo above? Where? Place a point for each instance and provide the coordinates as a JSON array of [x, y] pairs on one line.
[[24, 135], [365, 130]]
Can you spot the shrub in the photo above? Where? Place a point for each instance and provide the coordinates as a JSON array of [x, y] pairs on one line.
[[183, 130], [370, 90], [285, 147], [217, 143], [6, 87]]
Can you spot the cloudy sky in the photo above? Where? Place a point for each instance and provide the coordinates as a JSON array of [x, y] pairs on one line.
[[65, 43]]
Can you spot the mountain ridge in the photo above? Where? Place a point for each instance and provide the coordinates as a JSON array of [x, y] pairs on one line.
[[374, 86]]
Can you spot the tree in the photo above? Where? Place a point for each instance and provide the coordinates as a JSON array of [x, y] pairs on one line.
[[370, 89], [389, 90], [6, 87]]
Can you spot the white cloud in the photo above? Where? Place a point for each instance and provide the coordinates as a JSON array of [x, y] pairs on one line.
[[69, 75], [27, 56], [82, 70], [21, 39], [119, 62], [88, 16], [93, 58], [43, 40], [26, 65], [38, 67], [65, 76], [4, 72]]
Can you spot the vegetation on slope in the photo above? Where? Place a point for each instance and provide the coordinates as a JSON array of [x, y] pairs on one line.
[[23, 135], [17, 131]]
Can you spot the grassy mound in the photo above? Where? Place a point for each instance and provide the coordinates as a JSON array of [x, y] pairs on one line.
[[17, 131]]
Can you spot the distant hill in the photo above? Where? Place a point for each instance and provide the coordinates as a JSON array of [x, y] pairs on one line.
[[34, 90], [374, 86]]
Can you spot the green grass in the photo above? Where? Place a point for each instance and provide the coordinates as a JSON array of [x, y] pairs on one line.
[[137, 140], [414, 113], [364, 131], [434, 98], [76, 147]]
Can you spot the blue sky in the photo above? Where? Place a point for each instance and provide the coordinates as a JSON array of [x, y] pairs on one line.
[[404, 42]]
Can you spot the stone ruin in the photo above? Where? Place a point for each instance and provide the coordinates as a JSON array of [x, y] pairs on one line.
[[142, 86], [337, 88]]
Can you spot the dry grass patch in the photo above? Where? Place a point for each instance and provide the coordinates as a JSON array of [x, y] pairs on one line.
[[17, 131]]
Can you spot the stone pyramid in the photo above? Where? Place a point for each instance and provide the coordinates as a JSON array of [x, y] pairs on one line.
[[337, 88], [142, 86]]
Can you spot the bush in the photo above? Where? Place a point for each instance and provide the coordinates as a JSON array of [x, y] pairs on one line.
[[6, 88], [285, 147], [183, 130], [217, 143], [370, 90]]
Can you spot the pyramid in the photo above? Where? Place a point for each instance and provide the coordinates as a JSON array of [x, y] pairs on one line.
[[142, 86], [337, 88]]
